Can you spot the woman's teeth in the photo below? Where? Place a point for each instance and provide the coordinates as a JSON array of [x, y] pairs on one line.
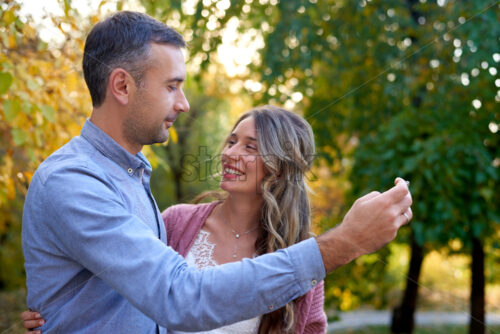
[[231, 171]]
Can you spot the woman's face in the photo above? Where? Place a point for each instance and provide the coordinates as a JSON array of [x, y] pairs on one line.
[[242, 166]]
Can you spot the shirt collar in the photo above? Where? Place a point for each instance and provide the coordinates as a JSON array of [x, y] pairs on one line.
[[111, 149]]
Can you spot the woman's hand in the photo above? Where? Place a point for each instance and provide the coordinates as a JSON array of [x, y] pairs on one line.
[[32, 319]]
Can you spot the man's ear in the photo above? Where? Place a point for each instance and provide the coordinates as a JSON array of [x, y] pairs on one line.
[[120, 85]]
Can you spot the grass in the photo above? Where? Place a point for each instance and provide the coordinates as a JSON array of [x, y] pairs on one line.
[[12, 303]]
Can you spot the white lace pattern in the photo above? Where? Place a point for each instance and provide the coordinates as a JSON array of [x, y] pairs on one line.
[[201, 256]]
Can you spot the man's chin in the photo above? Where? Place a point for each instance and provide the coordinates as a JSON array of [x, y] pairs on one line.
[[160, 139]]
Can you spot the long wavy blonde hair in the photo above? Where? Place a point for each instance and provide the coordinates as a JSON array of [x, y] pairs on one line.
[[286, 145]]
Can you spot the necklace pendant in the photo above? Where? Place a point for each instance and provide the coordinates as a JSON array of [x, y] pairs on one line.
[[234, 256], [237, 236]]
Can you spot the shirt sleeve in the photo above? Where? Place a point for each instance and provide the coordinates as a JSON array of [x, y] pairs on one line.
[[93, 227]]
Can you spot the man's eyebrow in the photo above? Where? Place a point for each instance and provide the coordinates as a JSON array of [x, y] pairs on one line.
[[176, 79]]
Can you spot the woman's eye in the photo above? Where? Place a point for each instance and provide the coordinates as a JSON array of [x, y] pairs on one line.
[[252, 148], [172, 88]]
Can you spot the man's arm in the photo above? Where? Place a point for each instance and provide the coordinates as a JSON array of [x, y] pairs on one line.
[[371, 223]]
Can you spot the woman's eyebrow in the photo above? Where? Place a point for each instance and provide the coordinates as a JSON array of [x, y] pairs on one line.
[[247, 137]]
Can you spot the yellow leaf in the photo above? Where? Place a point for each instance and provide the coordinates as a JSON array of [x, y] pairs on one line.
[[12, 42], [11, 190], [33, 70], [173, 134], [72, 81], [74, 128], [346, 300], [28, 176]]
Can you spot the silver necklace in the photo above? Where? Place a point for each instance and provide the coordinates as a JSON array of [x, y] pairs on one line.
[[236, 234]]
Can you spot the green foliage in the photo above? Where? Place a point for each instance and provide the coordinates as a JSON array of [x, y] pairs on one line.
[[5, 82], [43, 104], [443, 145], [359, 283]]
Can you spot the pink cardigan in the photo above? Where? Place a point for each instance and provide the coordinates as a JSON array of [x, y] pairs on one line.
[[183, 222]]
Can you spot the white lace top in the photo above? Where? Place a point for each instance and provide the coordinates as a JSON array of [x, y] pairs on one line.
[[201, 256]]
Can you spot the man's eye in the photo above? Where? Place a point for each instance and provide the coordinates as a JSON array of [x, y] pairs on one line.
[[172, 88]]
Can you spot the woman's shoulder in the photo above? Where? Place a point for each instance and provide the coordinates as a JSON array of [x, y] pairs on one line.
[[185, 210], [183, 222]]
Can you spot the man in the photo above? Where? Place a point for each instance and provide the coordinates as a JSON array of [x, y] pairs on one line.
[[93, 239]]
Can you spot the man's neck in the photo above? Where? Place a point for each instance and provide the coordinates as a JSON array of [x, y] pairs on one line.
[[109, 123]]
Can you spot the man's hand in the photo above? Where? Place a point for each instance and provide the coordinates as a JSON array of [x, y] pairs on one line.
[[371, 223]]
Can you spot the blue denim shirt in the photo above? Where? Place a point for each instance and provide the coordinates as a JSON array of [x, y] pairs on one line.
[[96, 257]]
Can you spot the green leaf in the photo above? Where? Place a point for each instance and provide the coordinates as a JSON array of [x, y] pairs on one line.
[[32, 155], [49, 113], [19, 136], [477, 229], [67, 7], [10, 109], [27, 107], [42, 46], [32, 85], [19, 24], [6, 65], [5, 82], [494, 217]]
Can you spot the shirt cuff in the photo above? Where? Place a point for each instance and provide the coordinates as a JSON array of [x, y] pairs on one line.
[[308, 263]]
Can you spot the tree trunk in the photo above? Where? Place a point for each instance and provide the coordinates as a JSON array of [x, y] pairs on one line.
[[403, 315], [477, 316]]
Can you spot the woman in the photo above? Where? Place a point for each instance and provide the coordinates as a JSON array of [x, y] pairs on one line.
[[265, 208]]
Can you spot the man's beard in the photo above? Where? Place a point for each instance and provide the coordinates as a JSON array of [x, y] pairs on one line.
[[138, 132]]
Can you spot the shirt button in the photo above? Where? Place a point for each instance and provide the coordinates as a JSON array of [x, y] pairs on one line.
[[314, 282], [130, 170], [271, 307]]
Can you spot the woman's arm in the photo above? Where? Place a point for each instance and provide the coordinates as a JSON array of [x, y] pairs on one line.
[[32, 319]]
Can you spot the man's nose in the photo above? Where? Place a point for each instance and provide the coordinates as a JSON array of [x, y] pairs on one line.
[[182, 104]]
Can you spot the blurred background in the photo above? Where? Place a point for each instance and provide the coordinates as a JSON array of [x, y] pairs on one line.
[[391, 88]]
